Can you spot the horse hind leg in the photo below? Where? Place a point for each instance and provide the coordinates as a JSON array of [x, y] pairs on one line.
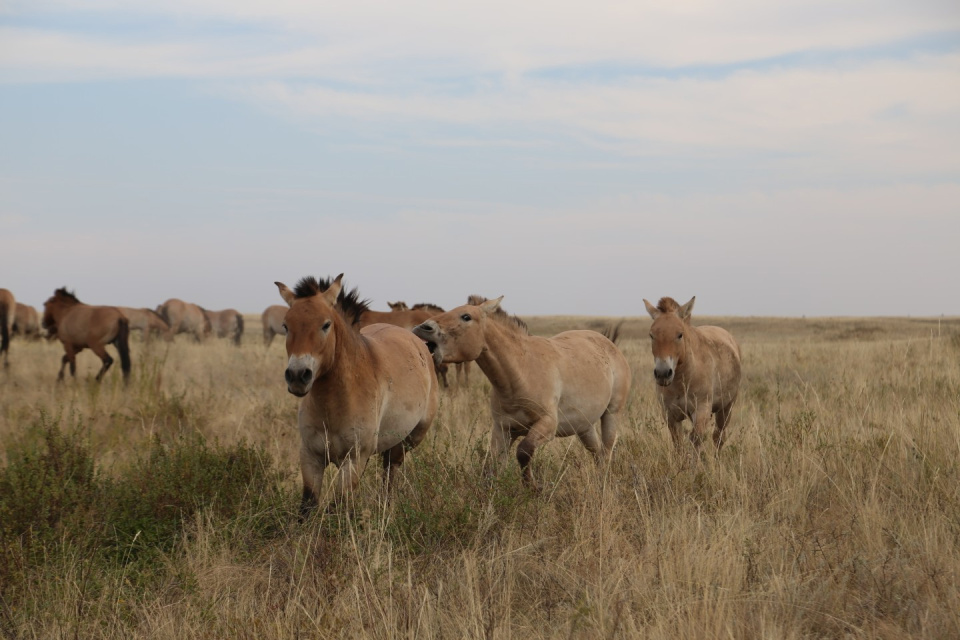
[[104, 357], [723, 418], [609, 423], [392, 459], [542, 431]]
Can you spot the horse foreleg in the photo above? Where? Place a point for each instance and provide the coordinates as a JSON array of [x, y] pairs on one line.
[[348, 477], [701, 424], [63, 365], [312, 472], [501, 439], [542, 431]]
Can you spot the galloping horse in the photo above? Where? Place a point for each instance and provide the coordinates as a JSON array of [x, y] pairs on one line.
[[185, 317], [225, 323], [147, 322], [8, 308], [272, 320], [697, 370], [541, 387], [79, 326], [364, 392], [26, 322]]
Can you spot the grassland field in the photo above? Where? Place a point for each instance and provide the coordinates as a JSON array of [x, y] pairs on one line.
[[168, 508]]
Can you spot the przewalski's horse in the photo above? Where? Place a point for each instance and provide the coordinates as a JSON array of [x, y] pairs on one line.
[[185, 317], [364, 391], [697, 370], [541, 387], [8, 309], [225, 323], [272, 320], [403, 316], [26, 322], [80, 326], [147, 322]]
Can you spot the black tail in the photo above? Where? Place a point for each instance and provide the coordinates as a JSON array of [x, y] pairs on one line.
[[612, 332], [122, 342], [239, 334], [4, 329]]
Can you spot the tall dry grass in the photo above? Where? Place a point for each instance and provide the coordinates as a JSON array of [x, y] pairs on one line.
[[832, 512]]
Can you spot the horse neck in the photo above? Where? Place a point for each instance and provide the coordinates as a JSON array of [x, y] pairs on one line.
[[501, 359], [691, 350], [350, 354], [60, 309]]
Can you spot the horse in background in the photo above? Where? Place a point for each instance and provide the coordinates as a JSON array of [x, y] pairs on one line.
[[697, 371], [401, 315], [185, 317], [79, 326], [228, 322], [8, 310], [541, 388], [147, 322], [365, 391], [26, 322], [398, 306], [272, 319]]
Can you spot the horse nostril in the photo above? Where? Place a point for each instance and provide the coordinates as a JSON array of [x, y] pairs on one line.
[[289, 375], [426, 328], [305, 376]]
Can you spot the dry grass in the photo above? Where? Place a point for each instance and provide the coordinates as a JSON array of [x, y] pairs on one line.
[[833, 511]]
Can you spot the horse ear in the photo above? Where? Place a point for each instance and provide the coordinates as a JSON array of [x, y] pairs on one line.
[[285, 293], [652, 310], [490, 306], [685, 311], [330, 295]]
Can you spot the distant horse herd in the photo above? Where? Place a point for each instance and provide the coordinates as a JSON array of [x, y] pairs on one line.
[[369, 380]]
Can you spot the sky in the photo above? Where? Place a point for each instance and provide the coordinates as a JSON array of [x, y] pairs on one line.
[[772, 158]]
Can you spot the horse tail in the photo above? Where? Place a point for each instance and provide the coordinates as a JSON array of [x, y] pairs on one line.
[[612, 332], [4, 328], [122, 342], [239, 333]]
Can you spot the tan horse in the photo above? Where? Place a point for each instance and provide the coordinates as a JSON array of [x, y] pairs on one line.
[[226, 323], [8, 310], [272, 320], [26, 322], [147, 322], [697, 370], [403, 316], [364, 392], [79, 326], [185, 317], [541, 387]]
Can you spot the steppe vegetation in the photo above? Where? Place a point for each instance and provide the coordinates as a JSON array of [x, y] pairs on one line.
[[168, 509]]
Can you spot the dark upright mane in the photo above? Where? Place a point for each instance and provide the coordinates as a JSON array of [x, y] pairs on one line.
[[350, 305], [63, 293], [429, 306], [500, 314], [667, 305]]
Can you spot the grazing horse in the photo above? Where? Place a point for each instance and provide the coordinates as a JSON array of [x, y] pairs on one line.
[[541, 387], [225, 323], [365, 391], [26, 322], [272, 319], [697, 370], [8, 309], [147, 322], [185, 317], [79, 326]]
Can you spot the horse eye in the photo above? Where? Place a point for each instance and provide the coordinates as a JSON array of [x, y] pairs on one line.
[[326, 326], [466, 317], [679, 336]]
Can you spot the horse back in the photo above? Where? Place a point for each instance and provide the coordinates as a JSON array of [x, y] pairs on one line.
[[726, 356], [87, 324], [594, 374]]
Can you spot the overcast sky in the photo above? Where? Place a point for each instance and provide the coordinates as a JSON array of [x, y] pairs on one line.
[[771, 158]]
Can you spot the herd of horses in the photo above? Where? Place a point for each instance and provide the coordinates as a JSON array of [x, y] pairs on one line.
[[369, 380]]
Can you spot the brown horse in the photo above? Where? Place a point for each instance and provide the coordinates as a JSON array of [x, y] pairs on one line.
[[185, 317], [541, 387], [8, 309], [26, 322], [697, 370], [401, 315], [225, 323], [272, 320], [364, 392], [147, 322], [79, 326]]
